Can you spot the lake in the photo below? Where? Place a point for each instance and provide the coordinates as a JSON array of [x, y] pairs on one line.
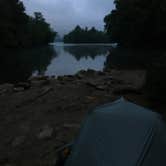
[[72, 58], [57, 59], [60, 59]]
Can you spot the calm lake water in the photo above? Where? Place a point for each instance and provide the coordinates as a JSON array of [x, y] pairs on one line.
[[57, 59], [66, 59], [71, 58]]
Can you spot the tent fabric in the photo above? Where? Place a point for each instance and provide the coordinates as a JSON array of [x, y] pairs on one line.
[[117, 134]]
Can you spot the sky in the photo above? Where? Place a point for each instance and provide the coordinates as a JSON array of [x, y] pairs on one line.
[[64, 15]]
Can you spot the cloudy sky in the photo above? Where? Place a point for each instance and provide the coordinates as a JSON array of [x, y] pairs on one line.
[[64, 15]]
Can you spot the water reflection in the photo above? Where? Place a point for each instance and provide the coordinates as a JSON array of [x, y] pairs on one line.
[[16, 66], [87, 51], [72, 58], [19, 65], [68, 59]]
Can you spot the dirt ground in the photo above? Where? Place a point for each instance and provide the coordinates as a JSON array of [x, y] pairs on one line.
[[41, 115]]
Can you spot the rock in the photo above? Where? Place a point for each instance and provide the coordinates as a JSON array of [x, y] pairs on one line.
[[91, 98], [60, 78], [81, 72], [6, 88], [38, 78], [108, 78], [91, 83], [18, 141], [45, 133], [101, 73], [24, 85], [95, 85], [80, 76], [100, 87], [18, 89], [90, 71], [39, 83]]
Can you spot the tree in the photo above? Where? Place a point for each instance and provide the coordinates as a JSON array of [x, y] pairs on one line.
[[18, 30], [40, 32], [137, 22], [13, 22], [80, 35]]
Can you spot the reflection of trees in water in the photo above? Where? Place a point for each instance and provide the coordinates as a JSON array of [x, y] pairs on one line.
[[122, 58], [19, 65], [86, 51]]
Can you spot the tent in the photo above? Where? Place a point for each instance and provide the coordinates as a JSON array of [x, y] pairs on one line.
[[120, 134]]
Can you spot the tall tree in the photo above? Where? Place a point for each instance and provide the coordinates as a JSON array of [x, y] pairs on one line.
[[12, 24], [17, 29], [137, 21]]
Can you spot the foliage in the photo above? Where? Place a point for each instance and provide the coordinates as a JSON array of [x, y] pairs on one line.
[[39, 31], [17, 65], [137, 23], [80, 35], [17, 29]]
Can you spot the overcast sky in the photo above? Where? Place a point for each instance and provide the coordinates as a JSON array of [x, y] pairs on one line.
[[64, 15]]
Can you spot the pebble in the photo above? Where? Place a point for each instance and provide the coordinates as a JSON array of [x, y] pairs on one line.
[[45, 133]]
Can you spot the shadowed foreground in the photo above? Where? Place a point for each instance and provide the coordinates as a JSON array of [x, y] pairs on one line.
[[43, 114]]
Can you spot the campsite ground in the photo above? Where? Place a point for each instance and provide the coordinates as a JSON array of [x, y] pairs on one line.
[[41, 115]]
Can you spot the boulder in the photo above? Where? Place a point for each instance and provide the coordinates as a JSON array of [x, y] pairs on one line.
[[45, 133], [6, 88]]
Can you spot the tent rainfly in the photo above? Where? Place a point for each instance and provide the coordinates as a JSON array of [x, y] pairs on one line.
[[120, 134]]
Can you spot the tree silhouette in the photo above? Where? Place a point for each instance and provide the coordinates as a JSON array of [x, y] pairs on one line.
[[80, 35]]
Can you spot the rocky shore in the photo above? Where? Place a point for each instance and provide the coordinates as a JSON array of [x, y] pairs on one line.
[[44, 113]]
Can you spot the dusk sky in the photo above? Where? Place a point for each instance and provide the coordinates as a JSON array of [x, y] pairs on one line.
[[64, 15]]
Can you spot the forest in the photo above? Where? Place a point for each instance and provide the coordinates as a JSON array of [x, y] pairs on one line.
[[81, 35], [19, 30], [137, 23]]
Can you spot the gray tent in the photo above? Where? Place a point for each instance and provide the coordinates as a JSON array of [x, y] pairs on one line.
[[120, 134]]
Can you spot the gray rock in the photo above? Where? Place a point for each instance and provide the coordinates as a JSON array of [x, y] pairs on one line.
[[90, 71], [101, 87], [45, 133], [101, 73], [91, 83], [80, 76], [18, 141], [18, 89], [38, 83], [6, 88], [24, 85]]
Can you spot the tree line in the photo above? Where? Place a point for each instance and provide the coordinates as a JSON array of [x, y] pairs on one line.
[[137, 23], [17, 29], [85, 35]]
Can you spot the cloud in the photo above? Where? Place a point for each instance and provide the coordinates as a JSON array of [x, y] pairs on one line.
[[64, 15]]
